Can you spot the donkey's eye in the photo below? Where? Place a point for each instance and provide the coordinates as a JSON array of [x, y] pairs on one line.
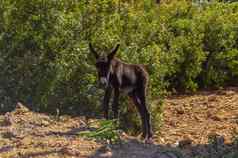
[[101, 65]]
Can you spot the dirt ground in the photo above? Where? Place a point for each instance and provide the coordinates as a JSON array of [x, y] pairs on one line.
[[202, 125]]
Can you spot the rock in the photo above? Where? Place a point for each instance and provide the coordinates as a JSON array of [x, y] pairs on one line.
[[216, 118], [20, 108], [6, 148], [8, 135], [105, 149], [221, 92], [6, 120], [70, 151], [173, 123], [180, 111], [107, 154], [166, 154], [212, 98], [185, 143], [216, 138]]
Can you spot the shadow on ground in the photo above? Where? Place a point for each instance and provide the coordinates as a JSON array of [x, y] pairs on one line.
[[132, 148]]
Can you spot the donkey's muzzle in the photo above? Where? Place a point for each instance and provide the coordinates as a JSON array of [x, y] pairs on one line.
[[103, 82]]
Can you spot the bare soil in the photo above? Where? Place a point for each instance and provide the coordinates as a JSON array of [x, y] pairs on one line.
[[203, 125]]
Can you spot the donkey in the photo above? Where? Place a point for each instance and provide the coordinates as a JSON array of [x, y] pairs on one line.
[[132, 79]]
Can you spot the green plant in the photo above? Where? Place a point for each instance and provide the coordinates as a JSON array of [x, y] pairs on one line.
[[106, 130]]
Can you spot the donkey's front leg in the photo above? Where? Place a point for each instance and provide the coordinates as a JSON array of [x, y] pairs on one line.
[[115, 103], [106, 100]]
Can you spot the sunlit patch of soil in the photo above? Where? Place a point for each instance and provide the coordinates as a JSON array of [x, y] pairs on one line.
[[24, 134]]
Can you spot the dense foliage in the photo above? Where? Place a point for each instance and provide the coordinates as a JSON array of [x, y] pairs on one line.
[[45, 60]]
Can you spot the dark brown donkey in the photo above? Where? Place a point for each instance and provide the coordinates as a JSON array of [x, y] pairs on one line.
[[131, 79]]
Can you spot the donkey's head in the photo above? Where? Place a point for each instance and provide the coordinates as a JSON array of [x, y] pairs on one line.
[[103, 65]]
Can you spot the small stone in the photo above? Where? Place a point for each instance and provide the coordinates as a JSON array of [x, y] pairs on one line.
[[212, 98], [180, 111], [165, 154], [20, 108], [217, 117], [6, 120], [8, 135], [105, 149], [107, 154], [70, 151], [185, 143], [173, 123], [216, 139], [175, 145]]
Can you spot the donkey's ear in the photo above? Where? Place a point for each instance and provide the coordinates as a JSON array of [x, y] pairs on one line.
[[112, 54], [93, 51]]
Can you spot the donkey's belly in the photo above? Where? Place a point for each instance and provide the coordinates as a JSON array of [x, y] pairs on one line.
[[126, 90]]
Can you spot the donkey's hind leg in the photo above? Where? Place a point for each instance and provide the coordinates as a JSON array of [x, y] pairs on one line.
[[137, 103], [146, 114], [140, 102]]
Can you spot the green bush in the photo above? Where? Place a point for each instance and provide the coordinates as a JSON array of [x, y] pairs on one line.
[[220, 44]]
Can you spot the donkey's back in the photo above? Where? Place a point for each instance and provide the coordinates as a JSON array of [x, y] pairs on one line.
[[129, 76]]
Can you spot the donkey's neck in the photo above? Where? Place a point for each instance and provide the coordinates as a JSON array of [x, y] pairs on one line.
[[116, 66]]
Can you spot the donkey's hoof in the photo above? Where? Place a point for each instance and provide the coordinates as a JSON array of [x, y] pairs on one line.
[[149, 141]]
